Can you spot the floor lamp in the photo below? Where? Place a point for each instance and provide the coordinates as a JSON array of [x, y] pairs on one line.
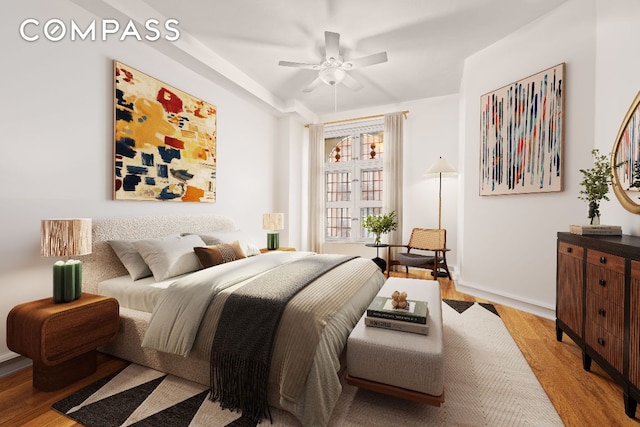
[[438, 168]]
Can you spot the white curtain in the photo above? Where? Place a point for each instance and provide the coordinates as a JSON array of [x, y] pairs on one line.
[[316, 188], [392, 192]]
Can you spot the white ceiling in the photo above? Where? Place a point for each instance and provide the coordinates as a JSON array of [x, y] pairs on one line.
[[426, 42]]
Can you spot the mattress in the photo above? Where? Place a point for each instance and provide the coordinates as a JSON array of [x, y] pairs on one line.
[[141, 294]]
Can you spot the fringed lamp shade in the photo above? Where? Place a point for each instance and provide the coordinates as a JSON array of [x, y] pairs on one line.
[[65, 238], [273, 222]]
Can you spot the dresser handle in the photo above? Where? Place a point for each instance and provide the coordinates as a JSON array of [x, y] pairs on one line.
[[602, 312], [602, 282], [603, 260], [569, 250], [601, 341]]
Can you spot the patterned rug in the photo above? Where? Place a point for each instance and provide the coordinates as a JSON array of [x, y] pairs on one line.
[[487, 383]]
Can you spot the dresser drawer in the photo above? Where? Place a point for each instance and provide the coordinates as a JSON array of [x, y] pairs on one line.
[[572, 250], [605, 260], [51, 334], [606, 344], [605, 313], [605, 282]]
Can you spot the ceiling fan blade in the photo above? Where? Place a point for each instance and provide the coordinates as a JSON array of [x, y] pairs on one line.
[[365, 61], [352, 83], [332, 45], [314, 84], [299, 65]]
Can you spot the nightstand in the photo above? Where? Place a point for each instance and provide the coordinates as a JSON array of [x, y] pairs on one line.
[[62, 339], [281, 248]]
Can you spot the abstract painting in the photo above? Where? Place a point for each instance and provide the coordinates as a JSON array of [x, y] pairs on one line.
[[521, 135], [165, 141]]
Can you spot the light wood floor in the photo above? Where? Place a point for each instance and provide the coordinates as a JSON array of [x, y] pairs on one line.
[[581, 398]]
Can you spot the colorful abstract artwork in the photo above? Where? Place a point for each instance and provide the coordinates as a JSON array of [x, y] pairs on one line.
[[521, 135], [165, 141]]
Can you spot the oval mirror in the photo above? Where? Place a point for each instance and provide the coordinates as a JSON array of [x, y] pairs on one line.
[[625, 160]]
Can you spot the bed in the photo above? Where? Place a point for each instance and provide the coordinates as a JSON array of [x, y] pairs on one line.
[[329, 307]]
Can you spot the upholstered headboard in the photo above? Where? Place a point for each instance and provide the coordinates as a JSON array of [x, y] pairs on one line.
[[103, 264]]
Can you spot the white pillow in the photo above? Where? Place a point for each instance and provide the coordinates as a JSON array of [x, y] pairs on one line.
[[130, 258], [217, 237], [170, 256]]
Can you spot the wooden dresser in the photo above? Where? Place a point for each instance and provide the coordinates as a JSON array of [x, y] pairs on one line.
[[598, 305]]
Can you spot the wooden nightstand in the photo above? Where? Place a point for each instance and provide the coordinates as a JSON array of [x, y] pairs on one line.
[[281, 248], [62, 339]]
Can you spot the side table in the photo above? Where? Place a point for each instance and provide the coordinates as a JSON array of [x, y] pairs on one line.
[[379, 261], [62, 339], [281, 248]]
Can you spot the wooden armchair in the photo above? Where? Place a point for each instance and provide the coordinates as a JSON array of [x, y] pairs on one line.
[[424, 239]]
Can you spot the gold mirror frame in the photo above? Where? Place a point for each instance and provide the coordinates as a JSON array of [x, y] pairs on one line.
[[616, 158]]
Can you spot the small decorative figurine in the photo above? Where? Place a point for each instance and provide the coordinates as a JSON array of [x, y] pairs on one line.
[[399, 300]]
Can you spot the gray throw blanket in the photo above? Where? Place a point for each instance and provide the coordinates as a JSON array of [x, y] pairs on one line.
[[243, 342]]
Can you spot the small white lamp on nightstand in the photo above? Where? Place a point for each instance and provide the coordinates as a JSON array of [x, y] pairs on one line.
[[273, 222], [66, 238]]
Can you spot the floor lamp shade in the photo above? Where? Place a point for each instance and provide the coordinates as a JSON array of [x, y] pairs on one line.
[[66, 238], [273, 222], [438, 168]]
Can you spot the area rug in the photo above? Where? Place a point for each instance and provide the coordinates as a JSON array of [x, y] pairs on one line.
[[487, 383]]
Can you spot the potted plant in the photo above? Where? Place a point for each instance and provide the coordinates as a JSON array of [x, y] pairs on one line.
[[596, 181], [380, 224]]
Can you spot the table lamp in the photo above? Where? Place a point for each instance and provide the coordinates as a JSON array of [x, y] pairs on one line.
[[66, 238], [273, 222]]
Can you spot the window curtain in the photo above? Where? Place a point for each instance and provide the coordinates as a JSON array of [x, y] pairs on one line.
[[393, 189], [316, 188]]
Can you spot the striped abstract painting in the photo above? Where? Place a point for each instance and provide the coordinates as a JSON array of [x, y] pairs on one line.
[[521, 135]]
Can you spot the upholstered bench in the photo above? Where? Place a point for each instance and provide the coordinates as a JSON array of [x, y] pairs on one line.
[[402, 364]]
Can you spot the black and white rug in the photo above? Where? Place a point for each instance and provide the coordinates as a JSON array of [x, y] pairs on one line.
[[487, 383]]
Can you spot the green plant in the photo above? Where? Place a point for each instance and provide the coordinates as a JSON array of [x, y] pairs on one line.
[[380, 224], [596, 181]]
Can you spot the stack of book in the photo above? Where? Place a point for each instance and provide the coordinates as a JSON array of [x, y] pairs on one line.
[[602, 230], [381, 314]]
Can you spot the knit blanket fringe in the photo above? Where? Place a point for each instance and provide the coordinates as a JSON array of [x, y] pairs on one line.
[[243, 343], [237, 385]]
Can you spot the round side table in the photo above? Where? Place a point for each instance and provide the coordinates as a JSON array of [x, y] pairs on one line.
[[379, 261]]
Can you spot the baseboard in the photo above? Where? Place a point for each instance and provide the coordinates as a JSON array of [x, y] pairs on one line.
[[14, 364], [533, 307]]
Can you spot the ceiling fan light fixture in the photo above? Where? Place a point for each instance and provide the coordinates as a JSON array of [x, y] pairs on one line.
[[332, 76]]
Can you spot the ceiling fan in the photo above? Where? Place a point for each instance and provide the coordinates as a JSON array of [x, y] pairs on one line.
[[333, 68]]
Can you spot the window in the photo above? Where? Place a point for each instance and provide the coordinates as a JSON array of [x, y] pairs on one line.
[[354, 176]]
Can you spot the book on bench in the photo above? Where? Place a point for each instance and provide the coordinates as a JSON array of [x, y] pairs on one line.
[[397, 325], [381, 307]]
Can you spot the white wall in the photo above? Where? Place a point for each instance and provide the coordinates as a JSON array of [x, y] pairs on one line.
[[430, 131], [57, 161], [507, 243], [617, 83]]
